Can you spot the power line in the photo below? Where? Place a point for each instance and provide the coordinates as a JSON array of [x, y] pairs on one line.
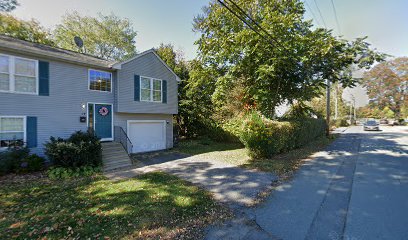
[[246, 23], [320, 13], [312, 12], [253, 21], [335, 15]]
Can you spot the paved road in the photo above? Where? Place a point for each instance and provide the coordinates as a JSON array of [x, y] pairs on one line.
[[357, 189]]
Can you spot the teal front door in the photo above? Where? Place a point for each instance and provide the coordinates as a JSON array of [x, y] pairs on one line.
[[102, 120]]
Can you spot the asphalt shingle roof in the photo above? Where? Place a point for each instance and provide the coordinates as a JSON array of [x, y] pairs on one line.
[[16, 45]]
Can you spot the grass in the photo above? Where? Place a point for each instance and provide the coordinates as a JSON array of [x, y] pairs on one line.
[[152, 206], [236, 154]]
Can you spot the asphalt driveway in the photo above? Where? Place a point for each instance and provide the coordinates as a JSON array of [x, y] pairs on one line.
[[230, 184], [356, 189]]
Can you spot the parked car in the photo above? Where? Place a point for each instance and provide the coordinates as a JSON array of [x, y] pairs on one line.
[[393, 122], [371, 125], [384, 121]]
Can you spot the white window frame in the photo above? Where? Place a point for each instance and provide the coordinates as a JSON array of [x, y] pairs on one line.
[[12, 75], [24, 128], [151, 89], [89, 81]]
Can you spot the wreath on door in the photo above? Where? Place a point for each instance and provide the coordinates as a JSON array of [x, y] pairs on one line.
[[103, 111]]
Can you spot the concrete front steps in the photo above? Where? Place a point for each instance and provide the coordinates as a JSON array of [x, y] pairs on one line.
[[114, 156]]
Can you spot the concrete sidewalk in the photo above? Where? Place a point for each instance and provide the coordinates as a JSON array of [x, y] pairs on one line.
[[230, 184]]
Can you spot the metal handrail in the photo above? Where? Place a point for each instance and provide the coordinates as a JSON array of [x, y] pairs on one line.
[[121, 137]]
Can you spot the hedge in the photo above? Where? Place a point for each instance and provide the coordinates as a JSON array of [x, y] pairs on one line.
[[264, 137]]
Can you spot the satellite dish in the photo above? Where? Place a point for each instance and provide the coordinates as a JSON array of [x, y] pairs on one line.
[[78, 41]]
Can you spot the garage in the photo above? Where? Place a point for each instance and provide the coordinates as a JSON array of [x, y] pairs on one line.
[[147, 135]]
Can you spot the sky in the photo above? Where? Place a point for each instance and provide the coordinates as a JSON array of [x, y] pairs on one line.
[[384, 22], [170, 21]]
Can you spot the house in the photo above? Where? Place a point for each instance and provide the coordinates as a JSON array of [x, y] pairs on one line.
[[47, 91]]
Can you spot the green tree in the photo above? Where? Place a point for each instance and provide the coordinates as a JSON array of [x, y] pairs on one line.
[[105, 36], [25, 30], [8, 5], [387, 85], [292, 65]]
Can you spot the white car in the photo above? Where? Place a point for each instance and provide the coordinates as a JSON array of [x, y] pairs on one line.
[[371, 125]]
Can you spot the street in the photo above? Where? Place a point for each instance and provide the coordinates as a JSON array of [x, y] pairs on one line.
[[358, 189]]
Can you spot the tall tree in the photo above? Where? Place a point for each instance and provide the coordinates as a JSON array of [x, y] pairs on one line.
[[387, 85], [25, 30], [291, 62], [105, 36], [8, 5]]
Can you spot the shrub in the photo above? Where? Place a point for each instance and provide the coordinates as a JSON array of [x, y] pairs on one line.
[[64, 173], [31, 163], [264, 137], [81, 149], [18, 160]]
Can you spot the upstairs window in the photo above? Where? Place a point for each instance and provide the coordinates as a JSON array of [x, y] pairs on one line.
[[18, 75], [12, 132], [100, 81], [150, 89]]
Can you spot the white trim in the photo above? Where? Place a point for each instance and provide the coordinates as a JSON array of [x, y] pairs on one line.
[[89, 80], [12, 74], [119, 65], [151, 89], [87, 117], [24, 127], [128, 122]]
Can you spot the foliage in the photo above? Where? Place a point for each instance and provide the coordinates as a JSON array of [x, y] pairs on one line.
[[10, 159], [30, 30], [294, 67], [81, 149], [18, 160], [105, 36], [31, 163], [64, 173], [387, 86], [318, 104], [264, 137], [152, 206], [8, 5]]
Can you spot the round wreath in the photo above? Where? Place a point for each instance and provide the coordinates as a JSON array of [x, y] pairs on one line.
[[103, 111]]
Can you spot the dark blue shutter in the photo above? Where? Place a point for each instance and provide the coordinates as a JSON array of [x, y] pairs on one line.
[[44, 78], [164, 87], [31, 132], [137, 88]]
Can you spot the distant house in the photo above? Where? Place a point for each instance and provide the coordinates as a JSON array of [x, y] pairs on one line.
[[46, 91]]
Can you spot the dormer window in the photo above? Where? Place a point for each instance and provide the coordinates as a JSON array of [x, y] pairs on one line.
[[100, 81]]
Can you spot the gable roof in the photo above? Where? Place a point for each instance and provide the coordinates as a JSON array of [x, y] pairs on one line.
[[20, 46], [119, 65]]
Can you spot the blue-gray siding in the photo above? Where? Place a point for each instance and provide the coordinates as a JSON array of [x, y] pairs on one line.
[[148, 66], [58, 114]]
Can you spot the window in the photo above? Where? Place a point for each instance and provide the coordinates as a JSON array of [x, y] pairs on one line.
[[100, 81], [150, 89], [12, 131], [19, 75]]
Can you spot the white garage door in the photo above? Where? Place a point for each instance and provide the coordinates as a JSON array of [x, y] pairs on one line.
[[147, 136]]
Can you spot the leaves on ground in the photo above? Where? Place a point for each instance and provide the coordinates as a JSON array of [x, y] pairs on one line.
[[152, 206]]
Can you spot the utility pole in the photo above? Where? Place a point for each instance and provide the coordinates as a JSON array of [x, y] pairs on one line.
[[336, 111], [354, 103], [328, 107]]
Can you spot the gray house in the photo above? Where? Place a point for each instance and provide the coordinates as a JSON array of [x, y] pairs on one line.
[[46, 91]]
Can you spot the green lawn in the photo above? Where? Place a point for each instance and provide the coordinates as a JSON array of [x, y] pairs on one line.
[[236, 154], [154, 205]]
